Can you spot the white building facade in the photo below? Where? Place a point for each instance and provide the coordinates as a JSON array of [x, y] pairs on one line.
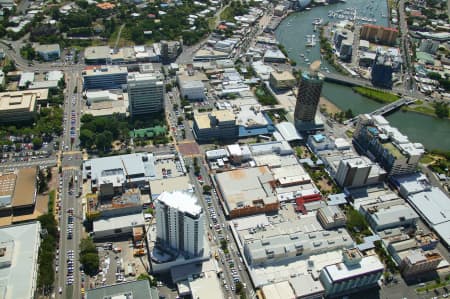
[[180, 223]]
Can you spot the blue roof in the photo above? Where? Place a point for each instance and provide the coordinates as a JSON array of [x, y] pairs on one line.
[[336, 199], [318, 138], [373, 130], [368, 242], [248, 132]]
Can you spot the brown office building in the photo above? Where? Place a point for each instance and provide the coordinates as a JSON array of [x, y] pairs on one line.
[[379, 34], [18, 195]]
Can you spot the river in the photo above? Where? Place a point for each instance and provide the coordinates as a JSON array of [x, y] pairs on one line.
[[432, 132]]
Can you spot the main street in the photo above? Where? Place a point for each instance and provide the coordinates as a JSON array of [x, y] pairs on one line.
[[71, 159], [234, 256]]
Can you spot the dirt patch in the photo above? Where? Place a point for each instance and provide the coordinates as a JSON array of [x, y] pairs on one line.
[[329, 107], [189, 149]]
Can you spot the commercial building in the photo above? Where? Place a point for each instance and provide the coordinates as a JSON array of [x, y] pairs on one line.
[[394, 152], [113, 175], [382, 70], [209, 55], [19, 248], [130, 289], [107, 228], [192, 90], [275, 56], [48, 52], [280, 80], [170, 50], [379, 34], [206, 286], [355, 273], [305, 287], [105, 77], [145, 94], [18, 106], [247, 191], [288, 132], [215, 125], [106, 102], [180, 224], [98, 55], [389, 214], [343, 42], [419, 262], [18, 192], [353, 172], [331, 217], [308, 97], [429, 46], [287, 242], [279, 290], [432, 205]]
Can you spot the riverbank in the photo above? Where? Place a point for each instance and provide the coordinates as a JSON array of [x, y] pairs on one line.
[[328, 106], [376, 95]]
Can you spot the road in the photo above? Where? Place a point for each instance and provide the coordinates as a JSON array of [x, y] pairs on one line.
[[221, 221], [71, 160], [406, 48]]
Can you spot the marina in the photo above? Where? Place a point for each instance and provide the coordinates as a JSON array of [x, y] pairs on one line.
[[433, 132]]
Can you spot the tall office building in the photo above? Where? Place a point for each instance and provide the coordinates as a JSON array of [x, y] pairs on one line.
[[308, 97], [145, 93], [382, 70], [180, 223]]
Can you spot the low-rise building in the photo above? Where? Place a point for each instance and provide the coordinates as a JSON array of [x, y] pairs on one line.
[[215, 125], [247, 191], [110, 176], [275, 56], [48, 52], [389, 214], [105, 77], [282, 80], [305, 287], [288, 241], [108, 228], [19, 248], [279, 290], [331, 217], [98, 55], [420, 262], [18, 106], [354, 274], [192, 90], [129, 289]]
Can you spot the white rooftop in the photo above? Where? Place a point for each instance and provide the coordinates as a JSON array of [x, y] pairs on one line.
[[182, 201], [113, 223], [288, 131], [433, 204], [279, 290], [206, 287], [341, 271], [18, 280]]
